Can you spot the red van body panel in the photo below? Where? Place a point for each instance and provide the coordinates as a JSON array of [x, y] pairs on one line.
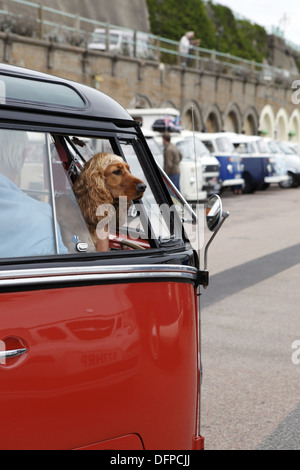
[[97, 357]]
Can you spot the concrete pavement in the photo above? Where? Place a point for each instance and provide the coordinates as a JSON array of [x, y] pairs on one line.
[[250, 319]]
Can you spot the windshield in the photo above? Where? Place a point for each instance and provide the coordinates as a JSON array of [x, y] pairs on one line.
[[262, 146], [243, 148], [285, 148], [113, 38], [196, 144], [224, 145], [99, 37], [188, 147], [273, 147]]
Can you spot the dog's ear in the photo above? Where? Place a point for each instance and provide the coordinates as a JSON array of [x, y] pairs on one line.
[[90, 190]]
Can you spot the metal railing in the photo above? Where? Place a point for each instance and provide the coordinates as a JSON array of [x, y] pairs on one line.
[[46, 23]]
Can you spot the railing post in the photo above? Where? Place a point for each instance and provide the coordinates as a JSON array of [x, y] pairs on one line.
[[228, 62], [213, 59], [107, 41], [158, 48], [134, 44], [253, 68], [197, 59], [41, 20], [77, 23]]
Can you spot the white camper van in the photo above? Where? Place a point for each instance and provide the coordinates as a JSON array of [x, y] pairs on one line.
[[148, 116], [121, 41], [196, 182]]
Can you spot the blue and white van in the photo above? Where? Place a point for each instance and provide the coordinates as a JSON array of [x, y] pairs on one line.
[[260, 166], [291, 160], [231, 167], [210, 166]]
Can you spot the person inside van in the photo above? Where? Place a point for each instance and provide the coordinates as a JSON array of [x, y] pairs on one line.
[[26, 224], [172, 158]]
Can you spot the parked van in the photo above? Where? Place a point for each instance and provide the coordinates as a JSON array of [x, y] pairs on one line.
[[295, 146], [278, 172], [121, 41], [191, 177], [155, 146], [292, 162], [99, 344], [210, 166], [196, 182], [260, 166], [231, 167], [166, 119]]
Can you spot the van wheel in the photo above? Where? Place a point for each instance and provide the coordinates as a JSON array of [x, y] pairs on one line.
[[263, 186], [249, 186], [290, 182]]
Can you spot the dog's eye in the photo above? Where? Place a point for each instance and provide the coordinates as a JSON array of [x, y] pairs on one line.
[[117, 172]]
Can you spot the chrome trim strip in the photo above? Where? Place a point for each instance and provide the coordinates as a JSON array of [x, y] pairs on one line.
[[97, 273], [52, 193]]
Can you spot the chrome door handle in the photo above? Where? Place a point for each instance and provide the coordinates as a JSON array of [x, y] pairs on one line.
[[12, 353]]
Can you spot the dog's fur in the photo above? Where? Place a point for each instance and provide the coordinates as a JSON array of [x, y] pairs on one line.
[[104, 178]]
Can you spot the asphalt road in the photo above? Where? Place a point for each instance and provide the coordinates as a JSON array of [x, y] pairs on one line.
[[250, 323]]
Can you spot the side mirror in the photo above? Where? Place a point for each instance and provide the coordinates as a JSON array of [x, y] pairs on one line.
[[214, 212], [215, 217]]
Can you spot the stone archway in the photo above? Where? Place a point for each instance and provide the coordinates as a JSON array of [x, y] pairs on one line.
[[168, 104], [233, 118], [140, 101], [294, 126], [281, 125], [187, 117], [267, 122], [213, 119], [250, 122]]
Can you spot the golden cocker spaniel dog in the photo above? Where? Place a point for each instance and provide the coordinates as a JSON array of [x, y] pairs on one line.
[[105, 178]]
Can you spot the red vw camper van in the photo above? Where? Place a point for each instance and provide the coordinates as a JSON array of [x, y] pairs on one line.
[[98, 344]]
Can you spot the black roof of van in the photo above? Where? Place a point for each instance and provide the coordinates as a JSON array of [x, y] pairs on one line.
[[25, 88]]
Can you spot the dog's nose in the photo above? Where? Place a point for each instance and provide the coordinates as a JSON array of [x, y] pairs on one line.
[[141, 187]]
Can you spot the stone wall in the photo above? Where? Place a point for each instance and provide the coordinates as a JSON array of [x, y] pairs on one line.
[[219, 100], [126, 13]]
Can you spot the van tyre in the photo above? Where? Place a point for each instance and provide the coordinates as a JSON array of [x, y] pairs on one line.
[[249, 186], [290, 183]]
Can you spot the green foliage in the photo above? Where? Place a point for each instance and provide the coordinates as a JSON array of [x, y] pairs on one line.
[[238, 37], [214, 24], [172, 19]]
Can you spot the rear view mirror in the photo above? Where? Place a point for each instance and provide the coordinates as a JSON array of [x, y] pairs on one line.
[[214, 212]]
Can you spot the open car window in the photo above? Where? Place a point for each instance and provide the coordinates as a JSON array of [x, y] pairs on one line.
[[161, 219], [39, 211]]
